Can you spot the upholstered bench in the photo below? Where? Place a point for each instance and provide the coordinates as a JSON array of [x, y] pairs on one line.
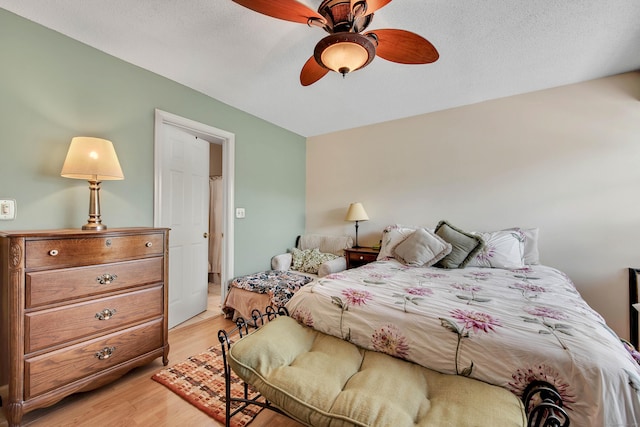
[[321, 380]]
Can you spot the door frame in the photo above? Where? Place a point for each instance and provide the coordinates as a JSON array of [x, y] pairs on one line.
[[214, 136]]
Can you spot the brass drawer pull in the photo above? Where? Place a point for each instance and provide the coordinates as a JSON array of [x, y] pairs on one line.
[[105, 353], [148, 244], [106, 314], [53, 252], [106, 279]]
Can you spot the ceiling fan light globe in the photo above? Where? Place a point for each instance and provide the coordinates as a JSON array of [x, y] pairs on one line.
[[344, 56], [345, 52]]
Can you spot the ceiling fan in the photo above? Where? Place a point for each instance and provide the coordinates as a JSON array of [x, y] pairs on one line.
[[346, 48]]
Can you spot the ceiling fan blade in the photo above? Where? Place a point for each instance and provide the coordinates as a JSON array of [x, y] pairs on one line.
[[288, 10], [404, 47], [312, 72], [372, 6]]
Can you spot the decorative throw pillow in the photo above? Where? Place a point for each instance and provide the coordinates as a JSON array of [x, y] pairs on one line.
[[314, 259], [421, 248], [464, 245], [298, 256], [502, 249], [391, 236]]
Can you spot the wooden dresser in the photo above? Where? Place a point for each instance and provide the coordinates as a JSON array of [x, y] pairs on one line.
[[78, 309]]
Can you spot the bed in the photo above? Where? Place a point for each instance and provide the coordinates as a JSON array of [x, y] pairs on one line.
[[495, 315]]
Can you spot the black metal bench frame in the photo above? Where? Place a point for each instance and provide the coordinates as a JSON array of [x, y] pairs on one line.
[[541, 400], [243, 328]]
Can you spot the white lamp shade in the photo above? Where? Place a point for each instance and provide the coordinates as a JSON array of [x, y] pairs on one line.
[[91, 159], [356, 212]]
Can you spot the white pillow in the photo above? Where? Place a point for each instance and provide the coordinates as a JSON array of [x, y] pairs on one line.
[[531, 256], [391, 236], [502, 249], [421, 248], [334, 266]]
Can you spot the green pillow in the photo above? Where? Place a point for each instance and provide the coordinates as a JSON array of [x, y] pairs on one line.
[[464, 245]]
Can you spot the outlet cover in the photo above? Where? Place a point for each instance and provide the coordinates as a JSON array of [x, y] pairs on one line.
[[7, 209]]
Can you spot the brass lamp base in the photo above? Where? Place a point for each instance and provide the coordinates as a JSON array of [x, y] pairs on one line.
[[94, 223], [94, 227]]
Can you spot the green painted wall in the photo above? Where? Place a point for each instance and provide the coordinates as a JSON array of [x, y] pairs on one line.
[[53, 88]]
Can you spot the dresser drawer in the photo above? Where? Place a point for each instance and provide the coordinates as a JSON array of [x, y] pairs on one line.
[[46, 287], [357, 257], [97, 249], [361, 258], [55, 369], [46, 328]]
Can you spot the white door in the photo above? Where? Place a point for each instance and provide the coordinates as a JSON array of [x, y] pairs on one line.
[[177, 208], [185, 207]]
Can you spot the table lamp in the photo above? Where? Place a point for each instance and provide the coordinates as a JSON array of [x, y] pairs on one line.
[[94, 160], [356, 213]]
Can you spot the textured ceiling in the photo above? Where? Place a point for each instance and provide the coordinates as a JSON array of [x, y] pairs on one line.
[[488, 49]]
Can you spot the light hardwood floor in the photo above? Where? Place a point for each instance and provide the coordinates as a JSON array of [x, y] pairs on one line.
[[136, 400]]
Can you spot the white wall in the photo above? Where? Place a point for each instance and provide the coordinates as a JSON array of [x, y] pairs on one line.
[[566, 160]]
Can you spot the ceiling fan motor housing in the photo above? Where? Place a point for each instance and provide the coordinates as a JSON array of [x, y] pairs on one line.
[[341, 18]]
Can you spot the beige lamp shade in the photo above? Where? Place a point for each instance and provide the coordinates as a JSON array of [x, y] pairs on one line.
[[356, 212], [92, 159]]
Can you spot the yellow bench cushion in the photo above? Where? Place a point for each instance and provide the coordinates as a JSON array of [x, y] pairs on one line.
[[321, 380]]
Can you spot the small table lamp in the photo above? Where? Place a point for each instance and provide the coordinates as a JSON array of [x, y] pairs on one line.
[[356, 213], [95, 160]]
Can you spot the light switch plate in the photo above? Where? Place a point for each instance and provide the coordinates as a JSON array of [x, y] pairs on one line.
[[240, 213], [7, 209]]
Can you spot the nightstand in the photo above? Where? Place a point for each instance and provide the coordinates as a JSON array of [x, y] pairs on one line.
[[360, 256]]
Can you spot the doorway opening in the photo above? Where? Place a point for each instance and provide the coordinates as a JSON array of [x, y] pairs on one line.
[[216, 232]]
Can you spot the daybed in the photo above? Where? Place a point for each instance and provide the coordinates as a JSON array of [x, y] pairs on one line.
[[314, 255], [487, 310]]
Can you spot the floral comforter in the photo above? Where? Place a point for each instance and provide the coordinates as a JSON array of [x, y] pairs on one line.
[[505, 327]]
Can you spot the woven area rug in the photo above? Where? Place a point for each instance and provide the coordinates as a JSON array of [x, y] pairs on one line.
[[200, 381]]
